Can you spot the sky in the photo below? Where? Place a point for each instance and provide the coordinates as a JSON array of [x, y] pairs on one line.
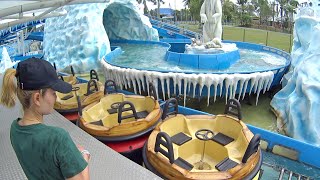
[[175, 4]]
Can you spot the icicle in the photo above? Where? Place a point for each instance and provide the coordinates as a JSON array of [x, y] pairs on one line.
[[187, 77], [168, 86], [230, 82], [207, 81], [147, 75], [193, 80], [162, 79], [245, 87], [201, 79], [215, 82], [179, 78], [143, 80], [271, 76], [253, 83], [242, 80], [136, 74], [174, 78], [260, 85], [222, 79], [235, 85], [227, 85], [155, 83]]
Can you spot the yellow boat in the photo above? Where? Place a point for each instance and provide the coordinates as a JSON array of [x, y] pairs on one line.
[[203, 147], [88, 93], [71, 79], [120, 117]]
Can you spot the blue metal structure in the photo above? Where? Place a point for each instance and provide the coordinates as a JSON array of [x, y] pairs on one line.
[[7, 32], [38, 36]]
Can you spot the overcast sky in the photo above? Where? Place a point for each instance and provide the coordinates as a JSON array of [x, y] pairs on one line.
[[175, 4]]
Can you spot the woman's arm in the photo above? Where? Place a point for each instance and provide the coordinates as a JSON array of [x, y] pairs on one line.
[[84, 175]]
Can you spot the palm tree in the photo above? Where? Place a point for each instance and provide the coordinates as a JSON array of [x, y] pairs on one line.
[[286, 7], [154, 2], [242, 3]]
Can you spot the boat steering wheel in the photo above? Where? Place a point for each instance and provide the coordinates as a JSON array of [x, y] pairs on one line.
[[75, 88], [115, 105], [204, 134]]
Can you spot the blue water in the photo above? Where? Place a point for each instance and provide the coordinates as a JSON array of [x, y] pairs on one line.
[[151, 57]]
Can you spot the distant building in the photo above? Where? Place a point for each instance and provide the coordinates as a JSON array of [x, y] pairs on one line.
[[166, 13]]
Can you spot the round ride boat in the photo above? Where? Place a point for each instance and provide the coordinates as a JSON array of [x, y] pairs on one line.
[[122, 122], [203, 146], [90, 92]]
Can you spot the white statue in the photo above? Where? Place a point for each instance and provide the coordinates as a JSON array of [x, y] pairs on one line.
[[211, 14]]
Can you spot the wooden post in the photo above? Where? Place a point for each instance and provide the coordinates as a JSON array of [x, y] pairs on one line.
[[244, 34], [267, 38], [290, 43]]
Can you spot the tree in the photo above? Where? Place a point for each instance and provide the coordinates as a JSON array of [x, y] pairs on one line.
[[195, 6], [263, 9], [287, 8], [244, 17], [228, 11]]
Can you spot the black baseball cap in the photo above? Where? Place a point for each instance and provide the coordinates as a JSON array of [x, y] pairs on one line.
[[36, 74]]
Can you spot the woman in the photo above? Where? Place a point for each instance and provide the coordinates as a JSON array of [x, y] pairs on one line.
[[44, 152]]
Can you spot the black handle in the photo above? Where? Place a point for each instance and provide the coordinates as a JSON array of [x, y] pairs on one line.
[[92, 83], [72, 71], [164, 140], [152, 91], [61, 77], [122, 109], [252, 147], [94, 75], [110, 87], [170, 103], [233, 104]]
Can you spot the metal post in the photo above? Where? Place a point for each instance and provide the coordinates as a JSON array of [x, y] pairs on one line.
[[18, 42], [22, 42]]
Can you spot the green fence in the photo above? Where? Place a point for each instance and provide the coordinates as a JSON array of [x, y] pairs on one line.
[[278, 40]]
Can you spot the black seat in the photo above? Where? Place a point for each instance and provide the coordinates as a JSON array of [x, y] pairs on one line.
[[222, 139], [180, 138], [67, 97], [226, 164], [99, 123]]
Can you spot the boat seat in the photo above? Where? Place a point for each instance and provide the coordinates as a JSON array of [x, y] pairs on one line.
[[99, 123], [112, 111], [226, 164], [141, 114], [183, 164], [180, 138], [67, 97], [222, 139]]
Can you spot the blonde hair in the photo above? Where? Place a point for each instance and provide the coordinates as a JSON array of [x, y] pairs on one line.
[[10, 91]]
